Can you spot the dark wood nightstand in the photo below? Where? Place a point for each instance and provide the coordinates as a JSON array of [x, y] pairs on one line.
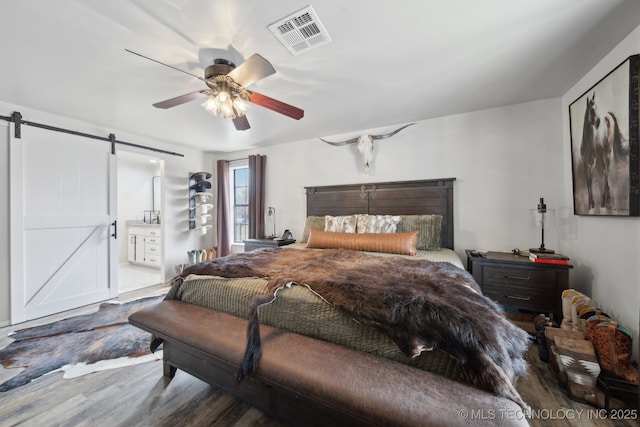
[[515, 281], [252, 244]]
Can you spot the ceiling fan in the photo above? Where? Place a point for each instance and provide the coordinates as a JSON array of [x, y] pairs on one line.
[[226, 90]]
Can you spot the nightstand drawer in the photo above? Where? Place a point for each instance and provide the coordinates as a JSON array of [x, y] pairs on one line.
[[521, 276], [528, 298]]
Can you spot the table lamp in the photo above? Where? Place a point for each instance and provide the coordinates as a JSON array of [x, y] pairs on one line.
[[542, 217]]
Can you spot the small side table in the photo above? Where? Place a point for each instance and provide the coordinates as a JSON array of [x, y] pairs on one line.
[[252, 244], [514, 281]]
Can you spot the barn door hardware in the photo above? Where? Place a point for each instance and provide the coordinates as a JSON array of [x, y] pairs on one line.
[[16, 118]]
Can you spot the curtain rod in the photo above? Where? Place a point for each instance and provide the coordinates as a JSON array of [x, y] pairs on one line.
[[243, 158], [17, 119]]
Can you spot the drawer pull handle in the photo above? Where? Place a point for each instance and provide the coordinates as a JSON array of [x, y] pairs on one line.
[[518, 297], [506, 276]]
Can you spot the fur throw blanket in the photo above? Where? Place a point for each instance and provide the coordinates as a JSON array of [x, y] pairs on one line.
[[419, 304]]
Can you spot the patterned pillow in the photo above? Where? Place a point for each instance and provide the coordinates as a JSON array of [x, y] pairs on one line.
[[377, 223], [429, 227], [312, 223], [340, 224]]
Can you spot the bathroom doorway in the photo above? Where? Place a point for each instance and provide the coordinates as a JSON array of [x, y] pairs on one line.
[[140, 240]]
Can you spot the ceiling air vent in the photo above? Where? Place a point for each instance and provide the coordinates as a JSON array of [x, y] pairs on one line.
[[301, 31]]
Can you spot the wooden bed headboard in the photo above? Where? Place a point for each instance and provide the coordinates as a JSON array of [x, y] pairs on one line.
[[433, 196]]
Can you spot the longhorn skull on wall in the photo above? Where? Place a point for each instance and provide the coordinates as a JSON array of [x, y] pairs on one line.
[[365, 144]]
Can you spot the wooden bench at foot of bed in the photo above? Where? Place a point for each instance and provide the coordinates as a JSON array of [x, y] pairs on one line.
[[308, 382]]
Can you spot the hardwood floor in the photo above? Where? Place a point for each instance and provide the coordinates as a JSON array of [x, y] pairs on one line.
[[140, 396]]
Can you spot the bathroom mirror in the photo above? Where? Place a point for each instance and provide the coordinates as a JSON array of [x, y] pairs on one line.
[[156, 193]]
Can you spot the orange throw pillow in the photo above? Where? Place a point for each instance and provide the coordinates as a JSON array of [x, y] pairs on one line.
[[392, 243]]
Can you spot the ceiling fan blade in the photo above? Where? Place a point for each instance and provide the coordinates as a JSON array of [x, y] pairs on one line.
[[275, 105], [166, 65], [252, 70], [181, 99], [241, 123]]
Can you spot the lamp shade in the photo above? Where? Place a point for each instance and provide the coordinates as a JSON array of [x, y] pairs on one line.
[[545, 219], [270, 222]]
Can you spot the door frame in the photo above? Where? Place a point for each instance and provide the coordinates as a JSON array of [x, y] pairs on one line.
[[161, 158]]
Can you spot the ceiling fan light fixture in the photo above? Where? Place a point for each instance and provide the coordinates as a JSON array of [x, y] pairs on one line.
[[226, 103], [239, 106], [210, 105], [222, 99]]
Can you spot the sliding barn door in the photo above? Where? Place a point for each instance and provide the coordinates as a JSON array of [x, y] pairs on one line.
[[62, 193]]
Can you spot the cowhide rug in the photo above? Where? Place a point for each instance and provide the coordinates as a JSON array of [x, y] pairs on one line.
[[79, 345]]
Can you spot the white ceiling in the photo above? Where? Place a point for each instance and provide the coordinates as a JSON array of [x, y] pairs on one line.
[[390, 62]]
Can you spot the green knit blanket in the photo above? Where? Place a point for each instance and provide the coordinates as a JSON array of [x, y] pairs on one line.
[[298, 309]]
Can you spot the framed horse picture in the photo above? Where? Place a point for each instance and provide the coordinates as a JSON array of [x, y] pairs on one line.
[[604, 145]]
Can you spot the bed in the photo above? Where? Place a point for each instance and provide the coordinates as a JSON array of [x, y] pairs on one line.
[[352, 308]]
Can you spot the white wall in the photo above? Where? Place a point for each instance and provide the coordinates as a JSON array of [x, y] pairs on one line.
[[606, 250], [175, 208], [178, 238], [503, 160]]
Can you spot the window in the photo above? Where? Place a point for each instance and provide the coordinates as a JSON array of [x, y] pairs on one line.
[[239, 191]]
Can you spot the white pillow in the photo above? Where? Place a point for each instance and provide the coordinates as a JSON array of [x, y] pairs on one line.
[[377, 223], [340, 224]]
